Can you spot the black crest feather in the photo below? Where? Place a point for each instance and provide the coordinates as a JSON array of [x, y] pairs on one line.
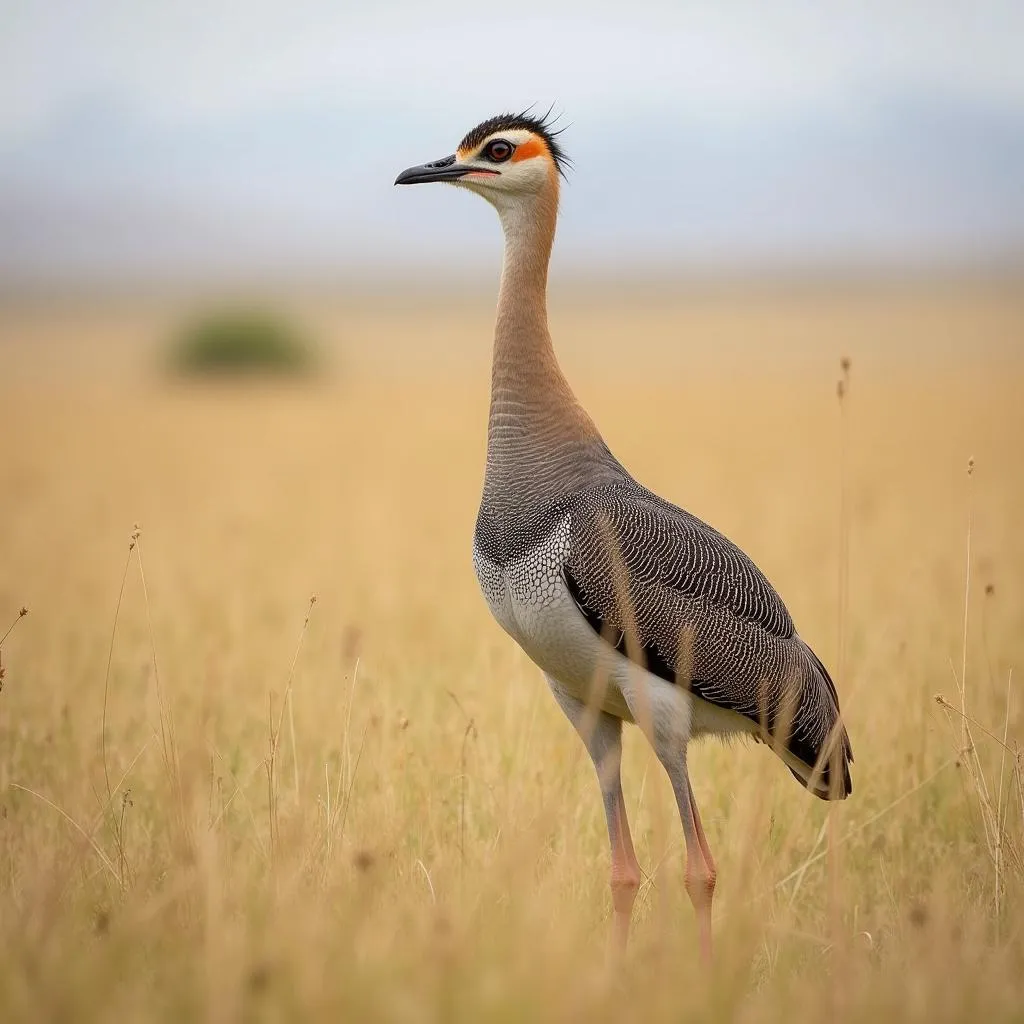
[[540, 126]]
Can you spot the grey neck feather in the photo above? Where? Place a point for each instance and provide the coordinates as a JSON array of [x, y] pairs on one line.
[[540, 441]]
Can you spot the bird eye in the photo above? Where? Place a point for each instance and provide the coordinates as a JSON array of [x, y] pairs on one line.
[[498, 151]]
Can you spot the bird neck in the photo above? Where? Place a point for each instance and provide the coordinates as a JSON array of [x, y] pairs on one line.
[[531, 401], [521, 328]]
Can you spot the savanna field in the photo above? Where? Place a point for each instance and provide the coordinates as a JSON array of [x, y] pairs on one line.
[[222, 800]]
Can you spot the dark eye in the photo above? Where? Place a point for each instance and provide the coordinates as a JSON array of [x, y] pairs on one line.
[[498, 151]]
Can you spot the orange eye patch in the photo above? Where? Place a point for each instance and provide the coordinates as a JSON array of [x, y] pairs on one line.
[[529, 148]]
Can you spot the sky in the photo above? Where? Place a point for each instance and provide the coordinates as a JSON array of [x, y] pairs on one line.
[[157, 141]]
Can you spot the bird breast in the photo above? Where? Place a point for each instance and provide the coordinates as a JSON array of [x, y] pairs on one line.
[[528, 597]]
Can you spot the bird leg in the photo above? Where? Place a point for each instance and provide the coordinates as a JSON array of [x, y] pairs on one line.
[[625, 870], [602, 735], [665, 717], [709, 861], [701, 873]]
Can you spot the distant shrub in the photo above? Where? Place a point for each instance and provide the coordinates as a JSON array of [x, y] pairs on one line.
[[238, 343]]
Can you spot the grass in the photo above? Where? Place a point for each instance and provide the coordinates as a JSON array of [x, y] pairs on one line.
[[220, 798]]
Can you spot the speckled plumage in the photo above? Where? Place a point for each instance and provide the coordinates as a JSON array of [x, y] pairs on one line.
[[669, 591]]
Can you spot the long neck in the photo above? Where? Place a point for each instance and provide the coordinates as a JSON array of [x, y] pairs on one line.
[[531, 400], [540, 441]]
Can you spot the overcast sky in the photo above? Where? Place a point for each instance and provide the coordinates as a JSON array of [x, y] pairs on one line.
[[160, 138]]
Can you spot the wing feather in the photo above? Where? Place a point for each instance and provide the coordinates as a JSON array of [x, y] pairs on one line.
[[700, 609]]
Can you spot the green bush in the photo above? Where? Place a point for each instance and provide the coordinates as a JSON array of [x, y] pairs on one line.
[[234, 343]]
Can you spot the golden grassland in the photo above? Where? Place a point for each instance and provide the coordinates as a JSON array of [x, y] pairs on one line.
[[220, 801]]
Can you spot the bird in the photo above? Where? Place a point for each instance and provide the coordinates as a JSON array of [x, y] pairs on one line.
[[635, 610]]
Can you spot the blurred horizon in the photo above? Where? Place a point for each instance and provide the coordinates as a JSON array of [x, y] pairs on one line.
[[207, 145]]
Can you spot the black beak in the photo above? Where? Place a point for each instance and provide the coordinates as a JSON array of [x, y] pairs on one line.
[[445, 169]]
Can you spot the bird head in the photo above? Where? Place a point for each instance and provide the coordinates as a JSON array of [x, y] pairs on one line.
[[505, 159]]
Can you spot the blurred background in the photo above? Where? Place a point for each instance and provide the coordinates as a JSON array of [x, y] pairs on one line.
[[203, 145], [768, 200]]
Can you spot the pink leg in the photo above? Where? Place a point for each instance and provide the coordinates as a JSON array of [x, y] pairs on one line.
[[625, 870], [701, 873], [602, 735]]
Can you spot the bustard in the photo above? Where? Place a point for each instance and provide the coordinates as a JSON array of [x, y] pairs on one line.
[[634, 609]]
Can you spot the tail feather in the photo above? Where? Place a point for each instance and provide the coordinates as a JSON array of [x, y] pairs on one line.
[[820, 758]]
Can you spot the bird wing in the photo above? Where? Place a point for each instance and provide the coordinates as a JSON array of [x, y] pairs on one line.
[[621, 533], [678, 596]]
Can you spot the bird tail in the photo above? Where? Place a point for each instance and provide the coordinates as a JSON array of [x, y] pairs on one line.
[[817, 750]]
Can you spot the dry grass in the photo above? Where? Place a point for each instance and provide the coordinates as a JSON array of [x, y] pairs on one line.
[[223, 800]]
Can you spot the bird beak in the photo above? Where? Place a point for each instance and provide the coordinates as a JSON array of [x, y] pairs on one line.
[[445, 169]]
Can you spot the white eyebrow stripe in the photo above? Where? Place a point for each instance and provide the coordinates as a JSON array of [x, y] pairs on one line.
[[517, 136]]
